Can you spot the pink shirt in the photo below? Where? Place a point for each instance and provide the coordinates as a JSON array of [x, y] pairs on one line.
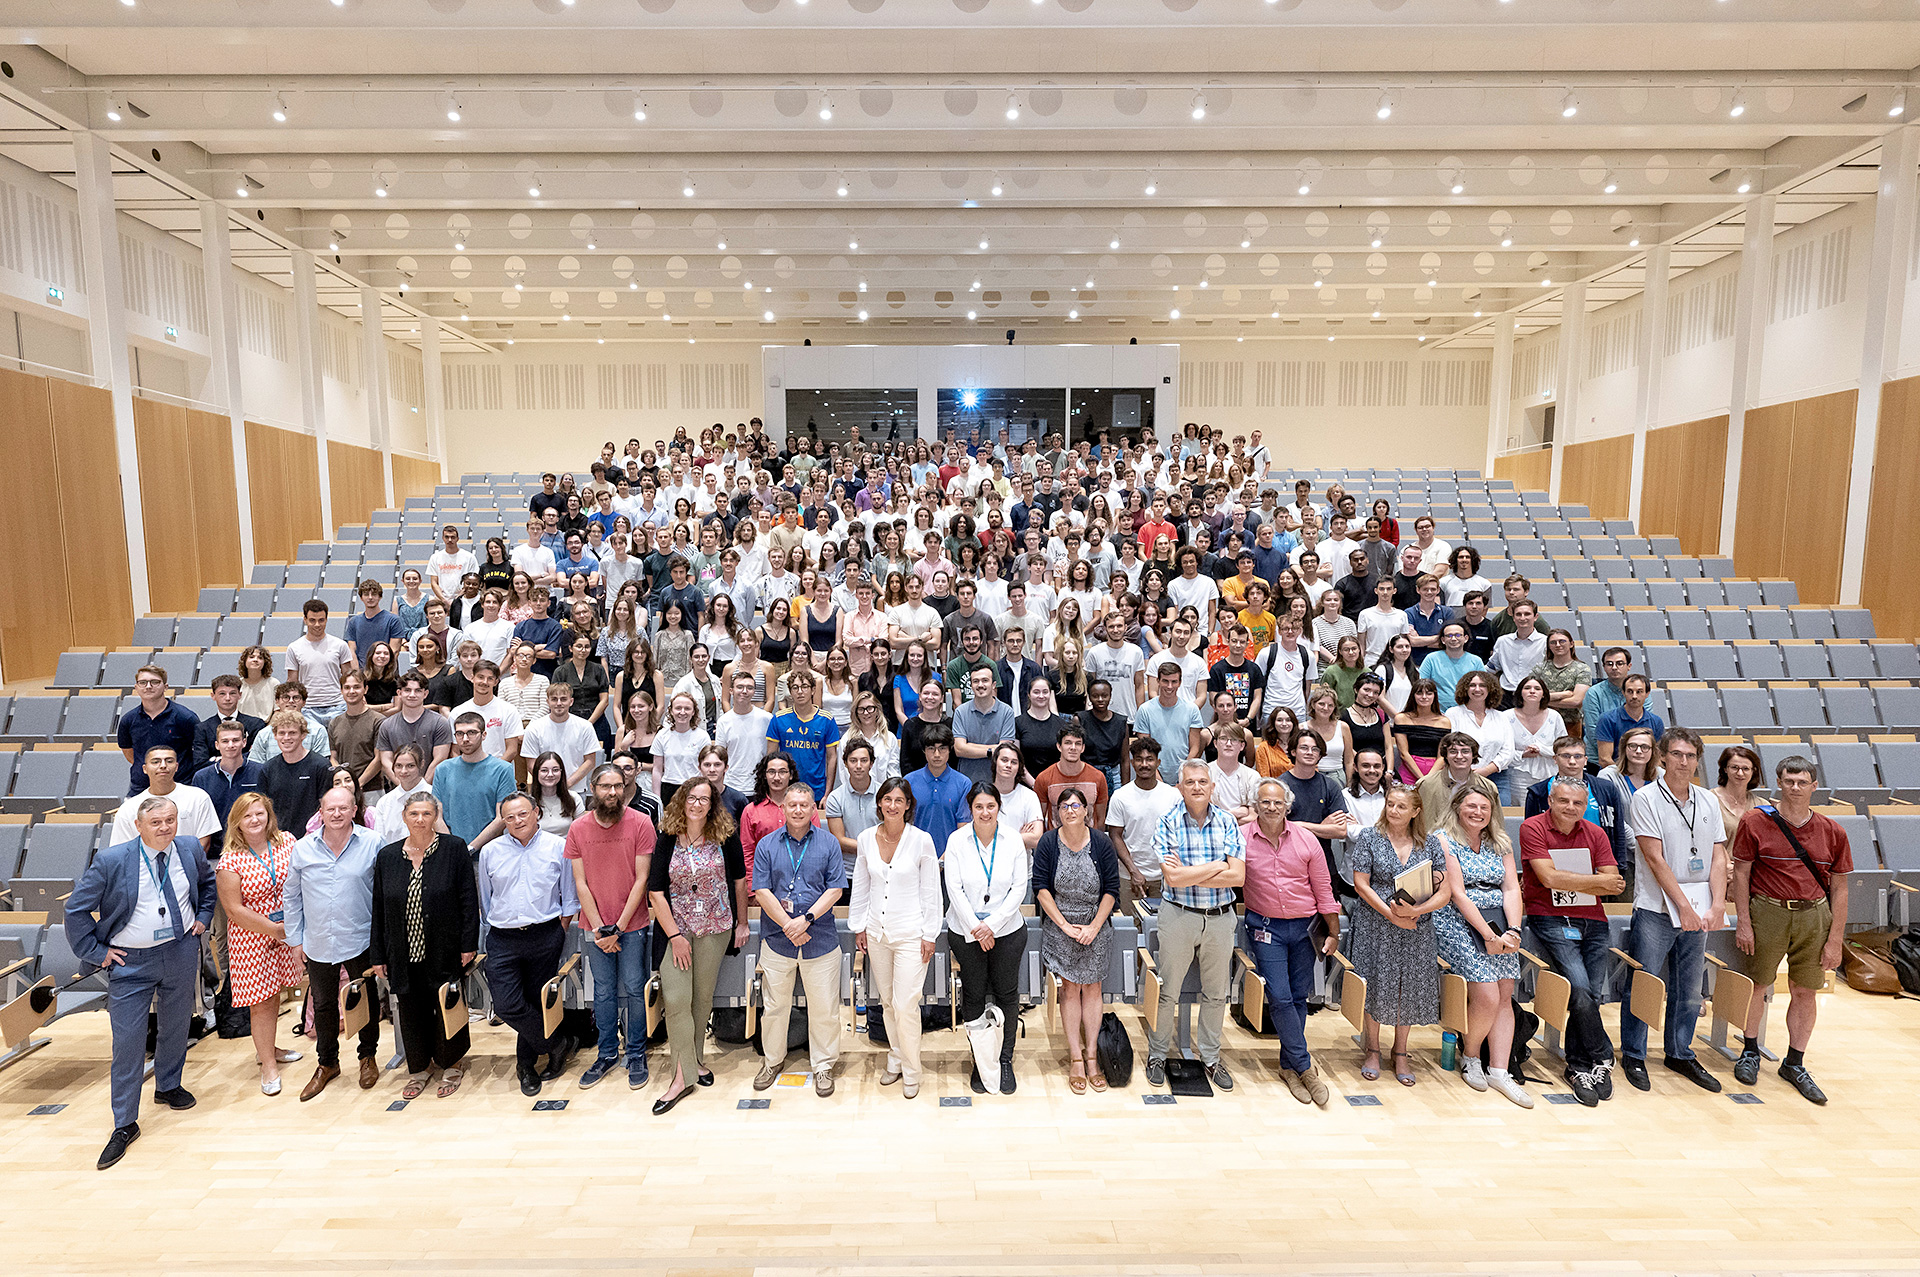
[[1288, 879]]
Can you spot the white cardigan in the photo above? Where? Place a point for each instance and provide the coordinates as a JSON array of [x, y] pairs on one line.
[[968, 886], [898, 901]]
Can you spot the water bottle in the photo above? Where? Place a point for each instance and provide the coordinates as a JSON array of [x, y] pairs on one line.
[[1449, 1050], [859, 1006]]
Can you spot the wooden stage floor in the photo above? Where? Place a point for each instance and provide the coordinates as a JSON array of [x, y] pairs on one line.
[[1436, 1179]]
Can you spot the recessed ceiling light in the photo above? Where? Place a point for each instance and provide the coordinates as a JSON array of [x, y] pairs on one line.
[[1152, 186], [453, 109], [1113, 243], [244, 189], [1013, 106], [633, 285], [767, 316], [841, 189], [1246, 243], [863, 316], [1506, 241], [983, 245], [686, 188], [1089, 283], [973, 314], [1738, 107], [1546, 283], [1384, 109], [459, 246], [853, 244], [1073, 314], [639, 110], [722, 246], [1569, 106], [519, 287], [1302, 185], [1199, 107], [1174, 313], [380, 189], [826, 107], [1610, 183], [279, 108]]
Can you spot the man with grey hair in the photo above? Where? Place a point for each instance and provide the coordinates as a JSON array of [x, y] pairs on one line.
[[154, 897], [526, 894], [329, 907], [1567, 866], [1202, 859]]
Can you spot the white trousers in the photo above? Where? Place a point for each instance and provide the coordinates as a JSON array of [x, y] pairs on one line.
[[896, 977]]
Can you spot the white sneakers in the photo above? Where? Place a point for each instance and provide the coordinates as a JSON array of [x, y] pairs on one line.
[[1502, 1081], [1475, 1073]]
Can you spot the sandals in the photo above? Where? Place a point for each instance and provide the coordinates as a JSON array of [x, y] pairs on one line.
[[450, 1082], [1095, 1078], [1370, 1066], [1077, 1081], [414, 1086], [1404, 1076]]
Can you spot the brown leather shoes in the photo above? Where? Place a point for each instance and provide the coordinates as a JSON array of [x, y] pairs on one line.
[[369, 1074], [318, 1082]]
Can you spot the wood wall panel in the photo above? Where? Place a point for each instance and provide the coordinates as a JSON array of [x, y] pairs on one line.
[[35, 621], [283, 477], [1893, 515], [166, 505], [413, 477], [99, 579], [1685, 487], [357, 481], [1530, 471], [216, 500], [1598, 474], [1794, 465]]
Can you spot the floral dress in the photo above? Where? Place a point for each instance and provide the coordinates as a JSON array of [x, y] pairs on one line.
[[698, 889], [1403, 982], [1484, 873]]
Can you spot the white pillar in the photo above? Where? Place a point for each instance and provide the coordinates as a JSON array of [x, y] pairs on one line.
[[1653, 347], [927, 422], [1566, 383], [107, 338], [313, 393], [373, 346], [1500, 391], [1752, 305], [433, 397], [223, 340], [1893, 215]]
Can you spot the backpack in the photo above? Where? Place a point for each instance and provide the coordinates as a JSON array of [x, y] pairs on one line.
[[1905, 949], [1113, 1051]]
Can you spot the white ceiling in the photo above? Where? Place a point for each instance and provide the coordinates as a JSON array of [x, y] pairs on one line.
[[919, 140]]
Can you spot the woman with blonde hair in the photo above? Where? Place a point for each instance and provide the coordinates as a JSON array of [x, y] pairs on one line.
[[870, 725], [1394, 944], [1479, 934], [676, 750], [250, 877]]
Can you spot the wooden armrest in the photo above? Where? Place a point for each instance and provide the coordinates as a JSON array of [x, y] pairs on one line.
[[1444, 964], [9, 970], [1341, 958], [65, 898], [1240, 959], [567, 967], [1896, 882], [1534, 960], [1622, 955], [1715, 960], [1146, 959]]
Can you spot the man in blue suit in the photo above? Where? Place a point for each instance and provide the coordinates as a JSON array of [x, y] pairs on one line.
[[154, 896]]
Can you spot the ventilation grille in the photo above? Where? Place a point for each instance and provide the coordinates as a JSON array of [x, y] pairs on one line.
[[472, 387], [339, 355], [1700, 314], [1373, 383], [406, 378], [263, 325], [1536, 368], [1812, 276], [1455, 383], [39, 238], [1614, 346], [162, 286]]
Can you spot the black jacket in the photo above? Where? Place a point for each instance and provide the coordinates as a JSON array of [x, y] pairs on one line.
[[449, 902], [205, 744]]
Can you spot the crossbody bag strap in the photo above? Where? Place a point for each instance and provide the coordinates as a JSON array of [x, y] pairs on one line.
[[1825, 884]]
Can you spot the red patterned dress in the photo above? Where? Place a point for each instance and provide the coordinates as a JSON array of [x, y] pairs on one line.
[[260, 966]]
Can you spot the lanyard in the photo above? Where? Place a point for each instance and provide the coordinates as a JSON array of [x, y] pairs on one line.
[[1685, 813], [986, 861], [273, 875], [159, 889], [793, 861]]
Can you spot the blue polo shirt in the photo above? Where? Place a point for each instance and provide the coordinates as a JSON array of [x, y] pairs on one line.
[[470, 793], [806, 743], [540, 632], [939, 804], [1446, 673], [799, 874], [174, 726], [1614, 724], [587, 562], [1267, 563], [364, 631], [1428, 626], [223, 789]]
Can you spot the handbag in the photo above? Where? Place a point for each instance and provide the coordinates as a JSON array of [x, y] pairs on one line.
[[1113, 1051], [1866, 966], [1905, 952], [1496, 920]]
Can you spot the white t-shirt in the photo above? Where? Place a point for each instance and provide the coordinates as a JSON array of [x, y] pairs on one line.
[[921, 623], [1195, 593], [197, 818], [1514, 657], [494, 637], [574, 740], [1193, 671], [1687, 830], [1453, 589], [679, 754], [503, 723], [1136, 812], [535, 560], [1020, 808], [1377, 628], [388, 826], [1232, 791], [745, 738], [449, 568], [319, 665], [1117, 666], [1333, 557]]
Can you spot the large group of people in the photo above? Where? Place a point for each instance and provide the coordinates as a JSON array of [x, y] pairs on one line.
[[933, 684]]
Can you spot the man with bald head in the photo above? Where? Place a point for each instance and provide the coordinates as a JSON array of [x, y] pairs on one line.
[[154, 897]]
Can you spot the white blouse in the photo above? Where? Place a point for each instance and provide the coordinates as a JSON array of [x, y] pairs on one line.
[[1541, 765], [1495, 735], [986, 881], [897, 901]]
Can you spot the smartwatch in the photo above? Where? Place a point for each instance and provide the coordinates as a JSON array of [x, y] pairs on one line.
[[607, 929]]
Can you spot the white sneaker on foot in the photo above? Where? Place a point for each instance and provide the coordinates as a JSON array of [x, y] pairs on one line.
[[1502, 1081], [1475, 1073]]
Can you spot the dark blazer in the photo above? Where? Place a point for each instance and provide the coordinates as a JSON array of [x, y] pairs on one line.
[[660, 879], [449, 901], [111, 886], [205, 747], [1046, 859]]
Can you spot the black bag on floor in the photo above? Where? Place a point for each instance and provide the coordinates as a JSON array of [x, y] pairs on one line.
[[796, 1032], [1525, 1025], [1906, 960], [230, 1021], [729, 1025], [1113, 1050]]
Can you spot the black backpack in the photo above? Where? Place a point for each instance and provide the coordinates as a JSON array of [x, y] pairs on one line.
[[1906, 960], [1113, 1050]]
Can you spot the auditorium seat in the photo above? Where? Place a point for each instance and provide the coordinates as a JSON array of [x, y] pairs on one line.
[[1760, 660], [153, 631], [90, 716], [78, 668], [1714, 661], [100, 783], [1899, 705]]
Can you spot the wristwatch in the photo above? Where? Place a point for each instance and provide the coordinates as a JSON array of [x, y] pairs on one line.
[[607, 929], [804, 917]]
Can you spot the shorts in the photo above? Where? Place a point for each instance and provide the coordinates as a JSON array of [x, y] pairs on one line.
[[1798, 935]]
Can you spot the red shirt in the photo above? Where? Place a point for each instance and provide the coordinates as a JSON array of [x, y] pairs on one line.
[[1777, 870], [1538, 841], [608, 856], [1150, 534]]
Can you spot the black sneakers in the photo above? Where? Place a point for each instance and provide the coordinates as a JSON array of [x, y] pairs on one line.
[[1803, 1082], [1746, 1069], [1581, 1082]]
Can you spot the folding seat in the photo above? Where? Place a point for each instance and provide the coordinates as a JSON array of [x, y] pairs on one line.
[[1747, 707], [274, 574], [1667, 661], [35, 718], [1587, 594], [240, 630], [195, 630], [1597, 547], [1563, 546], [1705, 593], [1665, 545], [1805, 659], [1812, 622], [180, 663], [1630, 593], [91, 716], [340, 576], [216, 598], [1694, 705], [1548, 594], [1850, 659], [58, 852], [1667, 593], [1846, 767], [1603, 626], [254, 598], [1552, 618], [42, 777], [1728, 623], [277, 631], [303, 575], [338, 598], [1896, 832], [1850, 705], [1779, 592], [121, 665], [1634, 547], [313, 552], [1657, 697], [1716, 566], [1611, 568], [13, 841], [1682, 567], [1853, 622], [153, 631], [1714, 661], [1798, 706], [1899, 705], [1644, 623], [100, 785], [1688, 623], [1897, 660], [1899, 759], [77, 669], [1582, 521], [1760, 660], [1770, 622]]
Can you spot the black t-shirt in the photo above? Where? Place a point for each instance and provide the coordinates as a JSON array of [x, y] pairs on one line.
[[1242, 680], [913, 755], [1479, 637], [1406, 593], [543, 502], [296, 789], [449, 687], [496, 576], [1039, 740], [1314, 799], [945, 604], [1106, 742]]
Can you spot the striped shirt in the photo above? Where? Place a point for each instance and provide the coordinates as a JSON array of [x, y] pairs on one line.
[[1198, 843]]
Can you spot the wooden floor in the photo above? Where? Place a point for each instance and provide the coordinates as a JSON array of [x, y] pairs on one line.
[[1433, 1179]]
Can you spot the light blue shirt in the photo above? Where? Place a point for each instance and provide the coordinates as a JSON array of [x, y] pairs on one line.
[[329, 898], [1446, 673], [265, 747], [1171, 728], [1602, 699], [524, 883]]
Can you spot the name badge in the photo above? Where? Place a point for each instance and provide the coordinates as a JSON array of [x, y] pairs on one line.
[[278, 915], [163, 933], [1570, 933], [1262, 937], [1696, 866]]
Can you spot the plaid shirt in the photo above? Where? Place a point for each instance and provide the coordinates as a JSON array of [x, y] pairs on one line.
[[1217, 838]]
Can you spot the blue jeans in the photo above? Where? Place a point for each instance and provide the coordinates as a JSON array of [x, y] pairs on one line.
[[1285, 960], [620, 984], [1512, 786], [1583, 960], [1680, 958], [327, 713], [1113, 781]]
